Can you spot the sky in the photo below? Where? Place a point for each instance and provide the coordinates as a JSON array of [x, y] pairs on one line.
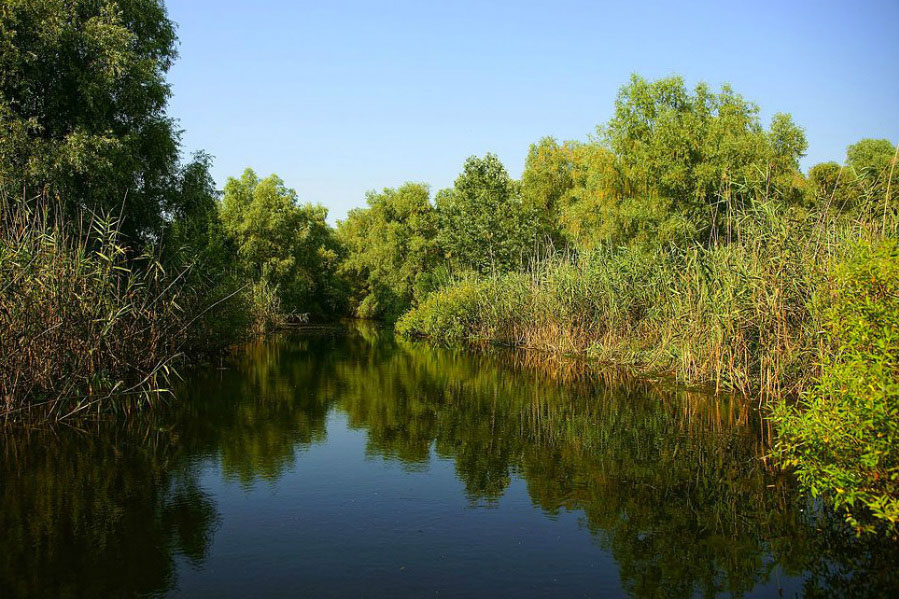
[[339, 98]]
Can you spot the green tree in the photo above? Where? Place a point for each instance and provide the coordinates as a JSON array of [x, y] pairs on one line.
[[843, 438], [873, 164], [547, 178], [863, 181], [871, 155], [786, 145], [391, 250], [599, 209], [285, 245], [196, 214], [196, 245], [82, 107], [483, 224], [698, 155], [826, 185]]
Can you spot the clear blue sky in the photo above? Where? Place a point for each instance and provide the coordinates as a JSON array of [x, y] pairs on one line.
[[342, 97]]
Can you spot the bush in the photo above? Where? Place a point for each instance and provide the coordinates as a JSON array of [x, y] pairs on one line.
[[843, 437], [452, 314]]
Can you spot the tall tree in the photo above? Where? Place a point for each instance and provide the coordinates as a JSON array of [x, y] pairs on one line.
[[287, 245], [689, 146], [391, 250], [547, 178], [873, 164], [862, 182], [683, 161], [483, 224], [83, 107]]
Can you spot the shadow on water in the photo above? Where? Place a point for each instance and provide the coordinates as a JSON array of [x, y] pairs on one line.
[[670, 484]]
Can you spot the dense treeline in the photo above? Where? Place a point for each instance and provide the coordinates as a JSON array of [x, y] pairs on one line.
[[681, 238], [115, 257]]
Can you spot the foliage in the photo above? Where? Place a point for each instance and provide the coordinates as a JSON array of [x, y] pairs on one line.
[[692, 244], [692, 147], [824, 181], [288, 246], [843, 437], [873, 161], [869, 172], [682, 238], [483, 224], [454, 313], [668, 166], [83, 126], [391, 250], [81, 320], [82, 108], [736, 315], [546, 179]]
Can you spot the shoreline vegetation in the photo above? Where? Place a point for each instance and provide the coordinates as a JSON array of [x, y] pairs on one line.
[[681, 237], [746, 317]]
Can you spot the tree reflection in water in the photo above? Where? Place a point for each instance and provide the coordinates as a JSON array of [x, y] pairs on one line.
[[672, 484]]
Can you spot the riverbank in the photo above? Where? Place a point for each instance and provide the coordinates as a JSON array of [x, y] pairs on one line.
[[82, 320], [794, 306], [745, 316]]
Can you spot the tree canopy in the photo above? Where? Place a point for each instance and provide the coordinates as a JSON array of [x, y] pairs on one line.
[[283, 243], [484, 225], [391, 250], [83, 107]]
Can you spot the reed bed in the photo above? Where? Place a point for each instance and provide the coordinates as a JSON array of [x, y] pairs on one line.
[[742, 316], [83, 321]]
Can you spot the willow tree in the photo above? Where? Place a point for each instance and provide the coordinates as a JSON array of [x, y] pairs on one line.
[[283, 244], [867, 180], [547, 178], [670, 164], [83, 108], [391, 250], [484, 225]]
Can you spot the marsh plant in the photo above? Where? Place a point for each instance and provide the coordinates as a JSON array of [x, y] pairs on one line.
[[82, 319]]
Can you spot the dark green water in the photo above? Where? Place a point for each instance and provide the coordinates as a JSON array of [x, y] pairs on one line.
[[355, 465]]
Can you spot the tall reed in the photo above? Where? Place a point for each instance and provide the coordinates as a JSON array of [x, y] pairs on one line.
[[82, 319], [740, 315]]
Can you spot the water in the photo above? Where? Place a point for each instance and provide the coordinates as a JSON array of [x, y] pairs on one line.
[[356, 465]]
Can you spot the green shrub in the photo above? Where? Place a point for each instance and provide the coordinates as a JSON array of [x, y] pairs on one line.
[[451, 314], [843, 437]]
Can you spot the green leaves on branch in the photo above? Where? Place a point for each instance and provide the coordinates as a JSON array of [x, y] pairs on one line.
[[843, 437], [484, 225], [82, 107], [391, 250], [287, 245]]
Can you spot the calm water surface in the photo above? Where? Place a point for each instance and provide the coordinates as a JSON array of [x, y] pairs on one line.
[[357, 465]]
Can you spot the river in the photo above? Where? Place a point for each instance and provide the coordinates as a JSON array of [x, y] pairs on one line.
[[348, 463]]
